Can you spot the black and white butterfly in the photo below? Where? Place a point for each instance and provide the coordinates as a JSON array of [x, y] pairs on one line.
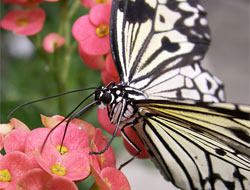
[[176, 107]]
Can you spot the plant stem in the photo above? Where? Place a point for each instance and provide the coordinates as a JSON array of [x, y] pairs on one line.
[[62, 70]]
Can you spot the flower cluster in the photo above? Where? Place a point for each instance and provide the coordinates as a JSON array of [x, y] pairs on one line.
[[57, 166]]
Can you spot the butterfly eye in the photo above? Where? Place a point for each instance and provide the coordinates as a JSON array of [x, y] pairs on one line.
[[106, 98]]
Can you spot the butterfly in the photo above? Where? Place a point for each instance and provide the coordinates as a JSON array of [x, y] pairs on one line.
[[175, 106]]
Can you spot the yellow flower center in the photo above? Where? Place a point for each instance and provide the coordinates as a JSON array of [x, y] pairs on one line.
[[102, 159], [5, 176], [102, 30], [58, 170], [62, 149], [101, 1], [107, 181], [22, 22]]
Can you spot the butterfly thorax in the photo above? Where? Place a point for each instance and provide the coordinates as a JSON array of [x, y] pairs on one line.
[[118, 100]]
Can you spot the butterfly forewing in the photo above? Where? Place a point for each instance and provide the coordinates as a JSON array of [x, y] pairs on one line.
[[149, 36]]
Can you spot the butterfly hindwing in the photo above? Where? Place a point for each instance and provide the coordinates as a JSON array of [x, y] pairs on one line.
[[197, 147], [156, 35]]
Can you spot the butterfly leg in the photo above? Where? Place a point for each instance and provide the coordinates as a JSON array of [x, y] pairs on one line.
[[116, 128], [126, 137]]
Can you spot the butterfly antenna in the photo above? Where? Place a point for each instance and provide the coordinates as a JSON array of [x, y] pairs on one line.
[[65, 120], [46, 98]]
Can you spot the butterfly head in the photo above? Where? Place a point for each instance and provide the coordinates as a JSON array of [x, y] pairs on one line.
[[104, 96]]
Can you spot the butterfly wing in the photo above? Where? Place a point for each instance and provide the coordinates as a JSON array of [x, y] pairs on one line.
[[150, 36], [190, 82], [204, 146]]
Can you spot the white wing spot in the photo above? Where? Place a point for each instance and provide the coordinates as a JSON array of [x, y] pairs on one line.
[[201, 8], [207, 36], [162, 1], [210, 98], [165, 18], [151, 3], [190, 72], [206, 83], [197, 57], [190, 94], [189, 83], [190, 21], [203, 21]]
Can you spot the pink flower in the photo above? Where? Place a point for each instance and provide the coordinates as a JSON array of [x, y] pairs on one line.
[[38, 179], [98, 144], [24, 22], [12, 167], [110, 178], [22, 2], [52, 41], [103, 119], [92, 61], [92, 31], [73, 160], [74, 165], [92, 3]]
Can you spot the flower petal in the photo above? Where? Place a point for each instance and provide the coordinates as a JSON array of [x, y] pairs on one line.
[[34, 179], [92, 61], [136, 140], [15, 141], [49, 122], [87, 127], [52, 41], [115, 178], [103, 119], [110, 66], [100, 14], [75, 138], [19, 124], [107, 78]]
